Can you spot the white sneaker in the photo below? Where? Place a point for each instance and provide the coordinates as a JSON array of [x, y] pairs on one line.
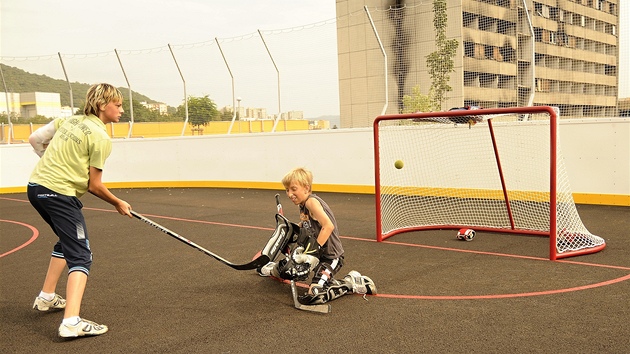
[[265, 271], [360, 284], [83, 328], [44, 305]]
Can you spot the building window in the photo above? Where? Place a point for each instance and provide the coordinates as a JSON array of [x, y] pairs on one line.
[[610, 70], [469, 49]]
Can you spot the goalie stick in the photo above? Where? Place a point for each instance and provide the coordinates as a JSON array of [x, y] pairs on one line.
[[279, 205], [257, 262], [321, 308]]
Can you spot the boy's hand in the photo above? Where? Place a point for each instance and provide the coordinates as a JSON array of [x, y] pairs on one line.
[[124, 208]]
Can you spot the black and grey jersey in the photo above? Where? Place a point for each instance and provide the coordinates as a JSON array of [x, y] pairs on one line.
[[333, 248]]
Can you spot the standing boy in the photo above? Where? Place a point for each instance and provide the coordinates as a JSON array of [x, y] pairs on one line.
[[72, 154]]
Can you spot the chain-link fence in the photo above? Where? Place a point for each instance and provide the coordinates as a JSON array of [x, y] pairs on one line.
[[370, 59]]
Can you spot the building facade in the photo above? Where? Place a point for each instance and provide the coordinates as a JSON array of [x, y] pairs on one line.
[[10, 103], [292, 115], [31, 104], [159, 107], [563, 53]]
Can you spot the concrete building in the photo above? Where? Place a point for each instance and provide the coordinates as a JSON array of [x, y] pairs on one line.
[[561, 53], [13, 101], [47, 104], [256, 113], [31, 104], [319, 125], [292, 115], [161, 108]]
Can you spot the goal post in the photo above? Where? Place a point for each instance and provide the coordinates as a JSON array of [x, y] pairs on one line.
[[495, 170]]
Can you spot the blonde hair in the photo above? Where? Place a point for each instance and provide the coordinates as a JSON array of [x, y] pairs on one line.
[[100, 95], [301, 175]]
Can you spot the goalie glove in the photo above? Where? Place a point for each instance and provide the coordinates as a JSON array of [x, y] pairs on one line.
[[290, 270], [309, 245], [298, 272], [299, 264], [300, 256]]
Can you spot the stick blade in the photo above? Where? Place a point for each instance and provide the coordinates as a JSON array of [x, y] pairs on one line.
[[256, 263], [320, 308]]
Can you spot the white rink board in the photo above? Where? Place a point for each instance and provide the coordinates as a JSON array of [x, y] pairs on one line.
[[596, 154]]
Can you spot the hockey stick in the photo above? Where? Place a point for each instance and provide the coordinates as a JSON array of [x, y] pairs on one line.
[[278, 205], [258, 262], [321, 308]]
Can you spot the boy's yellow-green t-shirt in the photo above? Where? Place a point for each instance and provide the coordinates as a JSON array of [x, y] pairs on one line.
[[79, 142]]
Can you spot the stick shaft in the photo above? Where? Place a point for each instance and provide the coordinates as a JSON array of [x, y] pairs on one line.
[[260, 261]]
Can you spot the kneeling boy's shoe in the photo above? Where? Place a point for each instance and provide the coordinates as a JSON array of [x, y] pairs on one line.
[[360, 284], [266, 270], [81, 329], [44, 305]]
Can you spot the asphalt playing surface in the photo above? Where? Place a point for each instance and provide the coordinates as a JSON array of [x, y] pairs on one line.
[[496, 294]]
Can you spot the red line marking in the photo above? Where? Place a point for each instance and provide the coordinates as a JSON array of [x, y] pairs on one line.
[[488, 253], [403, 296], [497, 296], [33, 238], [504, 296], [14, 200]]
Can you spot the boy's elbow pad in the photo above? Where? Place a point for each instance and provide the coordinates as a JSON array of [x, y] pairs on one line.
[[44, 134]]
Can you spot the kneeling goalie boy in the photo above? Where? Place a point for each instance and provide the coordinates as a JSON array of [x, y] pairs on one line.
[[317, 247]]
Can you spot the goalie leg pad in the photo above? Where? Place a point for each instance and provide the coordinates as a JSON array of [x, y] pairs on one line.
[[322, 295], [326, 270], [280, 238]]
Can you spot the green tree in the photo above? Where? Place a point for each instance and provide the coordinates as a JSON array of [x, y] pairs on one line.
[[201, 111], [3, 117], [38, 119], [440, 63], [418, 102], [227, 115], [140, 113]]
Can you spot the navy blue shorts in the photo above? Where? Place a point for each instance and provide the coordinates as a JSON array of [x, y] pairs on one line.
[[63, 214]]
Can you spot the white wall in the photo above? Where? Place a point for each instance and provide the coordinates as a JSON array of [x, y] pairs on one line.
[[596, 151], [337, 157]]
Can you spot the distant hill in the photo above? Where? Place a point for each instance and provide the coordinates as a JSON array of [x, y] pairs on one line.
[[20, 81]]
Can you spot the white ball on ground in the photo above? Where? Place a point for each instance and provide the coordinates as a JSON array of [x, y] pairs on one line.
[[466, 234]]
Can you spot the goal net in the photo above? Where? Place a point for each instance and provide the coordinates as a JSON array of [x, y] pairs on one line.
[[490, 169]]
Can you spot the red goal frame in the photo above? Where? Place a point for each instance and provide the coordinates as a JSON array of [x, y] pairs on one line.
[[523, 112]]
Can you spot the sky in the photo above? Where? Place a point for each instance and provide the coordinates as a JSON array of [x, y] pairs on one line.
[[39, 27], [35, 32], [43, 28]]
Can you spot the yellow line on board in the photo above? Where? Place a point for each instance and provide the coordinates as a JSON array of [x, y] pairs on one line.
[[579, 198]]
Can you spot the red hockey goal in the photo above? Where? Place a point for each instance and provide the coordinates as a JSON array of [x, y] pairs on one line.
[[498, 170]]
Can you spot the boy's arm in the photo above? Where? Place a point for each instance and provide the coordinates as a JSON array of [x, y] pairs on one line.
[[40, 138], [318, 213], [96, 187]]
